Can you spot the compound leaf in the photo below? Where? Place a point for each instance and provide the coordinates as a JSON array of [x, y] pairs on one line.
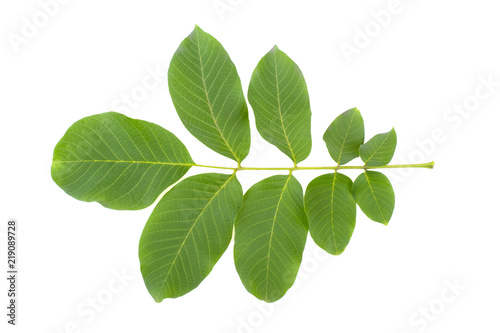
[[279, 98], [379, 150], [120, 162], [374, 194], [331, 211], [270, 235], [187, 233], [207, 94], [344, 136]]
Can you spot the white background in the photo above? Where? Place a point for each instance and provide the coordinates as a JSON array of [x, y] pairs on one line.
[[431, 57]]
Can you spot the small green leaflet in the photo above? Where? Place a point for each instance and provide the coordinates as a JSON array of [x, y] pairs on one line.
[[379, 150], [120, 162], [270, 235], [207, 94], [279, 98], [331, 211], [344, 136], [187, 233], [374, 194]]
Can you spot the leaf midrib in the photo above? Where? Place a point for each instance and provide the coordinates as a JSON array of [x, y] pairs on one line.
[[279, 107], [208, 100], [345, 138], [374, 197], [331, 212], [272, 231], [129, 162]]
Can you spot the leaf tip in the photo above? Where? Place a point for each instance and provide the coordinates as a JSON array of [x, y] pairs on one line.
[[335, 252], [195, 31], [393, 131]]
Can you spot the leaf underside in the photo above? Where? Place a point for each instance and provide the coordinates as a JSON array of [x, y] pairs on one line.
[[331, 211], [207, 94], [279, 98], [187, 233], [374, 194], [270, 235], [120, 162], [125, 163], [379, 150], [344, 136]]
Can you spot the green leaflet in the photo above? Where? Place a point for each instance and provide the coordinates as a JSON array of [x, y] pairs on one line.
[[379, 150], [374, 194], [344, 136], [279, 98], [187, 233], [120, 162], [270, 235], [331, 211], [207, 94]]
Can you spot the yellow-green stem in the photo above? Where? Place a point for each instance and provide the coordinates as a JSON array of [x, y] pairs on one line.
[[428, 165]]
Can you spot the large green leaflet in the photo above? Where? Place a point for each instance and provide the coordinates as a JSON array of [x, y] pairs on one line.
[[379, 150], [270, 235], [344, 136], [374, 194], [279, 98], [188, 232], [207, 94], [331, 211], [120, 162]]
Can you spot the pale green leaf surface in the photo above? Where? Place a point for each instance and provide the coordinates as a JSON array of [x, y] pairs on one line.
[[187, 233], [120, 162], [279, 98], [344, 136], [331, 211], [379, 150], [374, 194], [207, 94], [270, 235]]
